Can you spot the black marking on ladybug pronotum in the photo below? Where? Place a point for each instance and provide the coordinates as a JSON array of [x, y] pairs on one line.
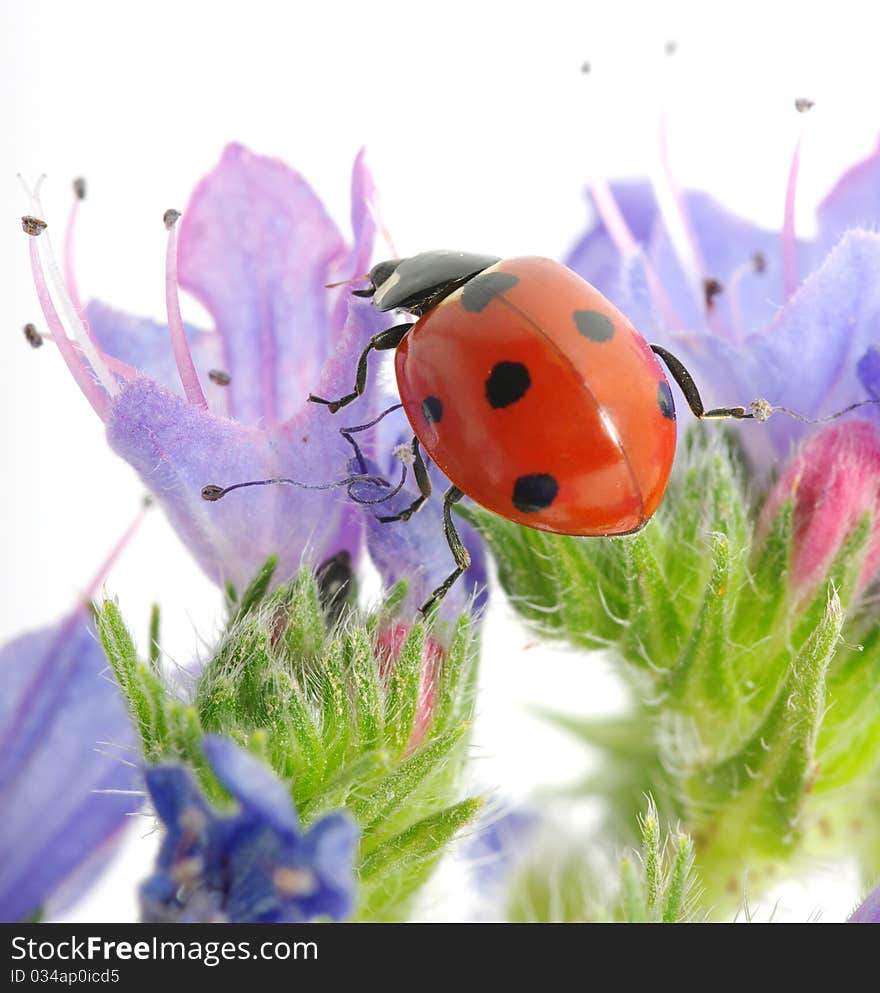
[[507, 383], [534, 492], [482, 290], [664, 400], [432, 409], [594, 325]]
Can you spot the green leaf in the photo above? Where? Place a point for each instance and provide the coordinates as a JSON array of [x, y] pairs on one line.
[[396, 788], [420, 841], [254, 593], [402, 697]]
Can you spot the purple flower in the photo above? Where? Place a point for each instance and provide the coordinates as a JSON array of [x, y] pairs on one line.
[[752, 312], [869, 911], [254, 865], [416, 550], [188, 407], [61, 816]]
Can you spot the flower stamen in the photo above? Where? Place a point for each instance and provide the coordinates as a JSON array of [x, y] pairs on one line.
[[615, 224], [92, 355], [182, 354], [71, 355], [79, 191]]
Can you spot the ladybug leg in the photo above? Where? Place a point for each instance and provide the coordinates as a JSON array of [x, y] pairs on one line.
[[420, 471], [456, 546], [348, 432], [692, 394], [384, 340]]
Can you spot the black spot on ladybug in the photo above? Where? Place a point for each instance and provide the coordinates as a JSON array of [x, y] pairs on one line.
[[593, 325], [535, 492], [664, 399], [432, 410], [482, 290], [507, 383]]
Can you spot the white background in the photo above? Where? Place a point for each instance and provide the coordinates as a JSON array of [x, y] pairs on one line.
[[481, 131]]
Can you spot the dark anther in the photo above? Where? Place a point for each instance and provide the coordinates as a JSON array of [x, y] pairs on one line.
[[213, 493], [711, 288], [147, 501], [585, 68], [79, 188], [802, 105], [169, 218], [671, 47], [32, 336], [219, 377], [32, 225], [759, 261]]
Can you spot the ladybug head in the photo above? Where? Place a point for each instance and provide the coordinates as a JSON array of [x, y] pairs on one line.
[[419, 282], [378, 276]]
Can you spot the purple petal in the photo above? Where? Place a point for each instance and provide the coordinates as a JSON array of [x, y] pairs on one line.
[[869, 911], [869, 371], [177, 449], [257, 248], [854, 202], [145, 345], [58, 704], [416, 550], [808, 359], [252, 783], [595, 256]]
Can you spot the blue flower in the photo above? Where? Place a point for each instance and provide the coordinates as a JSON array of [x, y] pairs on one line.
[[254, 865], [187, 407], [61, 716], [752, 312]]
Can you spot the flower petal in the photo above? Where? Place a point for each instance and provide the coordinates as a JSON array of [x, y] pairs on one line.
[[416, 550], [854, 202], [252, 783], [595, 256], [807, 359], [58, 704], [145, 345], [257, 248], [177, 449]]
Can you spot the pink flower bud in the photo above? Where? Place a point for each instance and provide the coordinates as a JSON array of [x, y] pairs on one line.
[[834, 480], [388, 648]]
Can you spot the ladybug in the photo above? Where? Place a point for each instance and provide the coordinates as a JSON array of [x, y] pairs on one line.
[[532, 393]]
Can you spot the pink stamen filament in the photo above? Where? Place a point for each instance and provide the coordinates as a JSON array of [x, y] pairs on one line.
[[120, 546], [182, 354], [72, 356], [69, 269], [116, 366], [618, 230], [676, 220], [789, 238], [80, 331]]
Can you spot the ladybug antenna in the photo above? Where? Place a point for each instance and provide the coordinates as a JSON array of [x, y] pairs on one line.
[[345, 282], [767, 410], [213, 493]]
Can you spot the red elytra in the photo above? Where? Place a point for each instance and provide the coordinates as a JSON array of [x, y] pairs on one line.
[[537, 377]]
